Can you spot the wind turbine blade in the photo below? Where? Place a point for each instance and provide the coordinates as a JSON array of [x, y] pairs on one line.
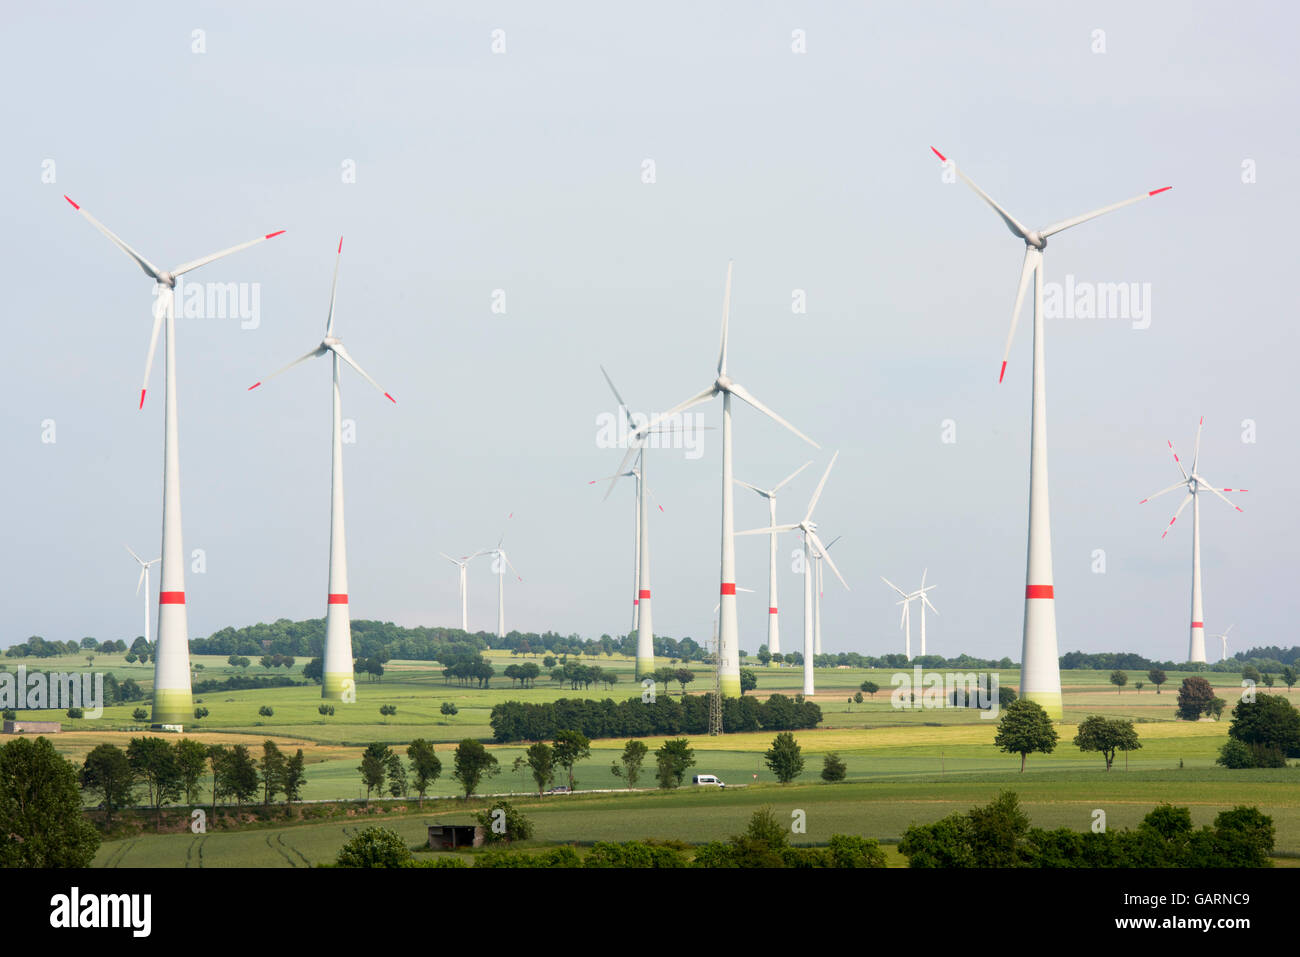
[[343, 354], [827, 559], [1177, 459], [1163, 491], [160, 307], [832, 542], [329, 317], [506, 558], [924, 571], [1015, 227], [1211, 488], [820, 485], [1189, 497], [726, 316], [903, 620], [196, 263], [786, 481], [633, 448], [1196, 449], [627, 414], [1053, 230], [893, 586], [1033, 259], [771, 529], [140, 581], [753, 488], [150, 270], [929, 604], [133, 554], [741, 392], [449, 558], [318, 351]]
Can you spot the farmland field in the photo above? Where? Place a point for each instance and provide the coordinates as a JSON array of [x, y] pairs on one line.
[[904, 766]]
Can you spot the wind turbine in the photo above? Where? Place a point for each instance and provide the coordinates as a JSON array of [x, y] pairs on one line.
[[463, 563], [1040, 669], [811, 543], [908, 598], [499, 563], [1195, 484], [817, 585], [724, 385], [773, 626], [144, 580], [1224, 638], [172, 701], [338, 682], [642, 617]]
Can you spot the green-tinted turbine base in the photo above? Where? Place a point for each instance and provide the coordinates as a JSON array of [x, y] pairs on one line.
[[645, 667], [1050, 701], [729, 685], [172, 707], [339, 686]]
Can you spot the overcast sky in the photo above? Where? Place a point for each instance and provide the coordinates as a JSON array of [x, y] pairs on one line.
[[523, 171]]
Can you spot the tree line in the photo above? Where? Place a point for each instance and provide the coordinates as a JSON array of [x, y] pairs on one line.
[[635, 717]]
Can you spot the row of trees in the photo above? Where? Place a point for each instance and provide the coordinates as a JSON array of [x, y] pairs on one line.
[[1288, 675], [636, 717], [176, 771], [999, 835]]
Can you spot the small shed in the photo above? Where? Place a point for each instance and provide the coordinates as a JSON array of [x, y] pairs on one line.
[[32, 727], [447, 837]]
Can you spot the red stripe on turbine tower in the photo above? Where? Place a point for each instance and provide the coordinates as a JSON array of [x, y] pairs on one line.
[[171, 598], [338, 599], [728, 588], [645, 593], [1039, 591], [636, 601], [771, 611], [1198, 624]]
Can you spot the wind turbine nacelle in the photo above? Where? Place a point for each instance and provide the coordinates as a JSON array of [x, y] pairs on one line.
[[722, 383], [329, 342], [1036, 240]]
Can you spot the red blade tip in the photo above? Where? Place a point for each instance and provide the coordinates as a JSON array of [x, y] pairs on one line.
[[1160, 190], [938, 154], [390, 398], [69, 199], [1002, 373], [278, 232], [340, 244], [142, 392], [253, 386]]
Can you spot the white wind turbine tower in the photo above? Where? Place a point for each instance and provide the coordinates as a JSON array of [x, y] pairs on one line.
[[1040, 667], [463, 564], [500, 561], [144, 580], [1224, 639], [817, 587], [1195, 483], [773, 626], [906, 622], [172, 702], [338, 682], [724, 385], [811, 544]]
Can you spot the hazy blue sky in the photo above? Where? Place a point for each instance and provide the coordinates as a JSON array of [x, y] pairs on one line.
[[522, 172]]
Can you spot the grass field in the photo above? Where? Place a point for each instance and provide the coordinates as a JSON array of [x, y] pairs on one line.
[[904, 766]]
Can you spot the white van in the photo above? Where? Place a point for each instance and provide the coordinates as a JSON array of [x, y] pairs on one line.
[[708, 780]]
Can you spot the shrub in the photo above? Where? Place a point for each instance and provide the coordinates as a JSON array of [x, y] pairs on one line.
[[374, 847]]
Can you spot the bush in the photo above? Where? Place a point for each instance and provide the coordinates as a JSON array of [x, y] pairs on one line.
[[140, 714], [374, 847], [833, 769], [75, 713], [448, 708], [503, 822], [633, 854], [266, 711]]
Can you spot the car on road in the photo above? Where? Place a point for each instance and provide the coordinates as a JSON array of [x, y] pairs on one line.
[[559, 789], [708, 780]]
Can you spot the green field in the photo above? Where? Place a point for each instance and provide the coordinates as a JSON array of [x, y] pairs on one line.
[[904, 766]]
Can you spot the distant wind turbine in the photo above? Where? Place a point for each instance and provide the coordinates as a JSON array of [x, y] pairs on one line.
[[144, 580], [773, 625], [906, 621], [463, 563], [1195, 483]]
